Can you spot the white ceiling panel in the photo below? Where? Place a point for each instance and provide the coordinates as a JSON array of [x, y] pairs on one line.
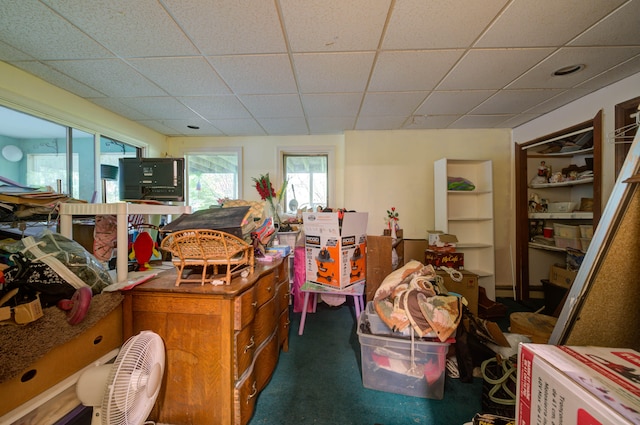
[[453, 102], [255, 67], [230, 27], [334, 25], [183, 76], [256, 74], [411, 70], [328, 105], [491, 68], [514, 101], [127, 28], [595, 60], [527, 23], [437, 24], [333, 72], [216, 107], [394, 104], [273, 105]]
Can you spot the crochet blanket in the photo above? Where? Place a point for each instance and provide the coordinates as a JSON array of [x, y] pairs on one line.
[[411, 296]]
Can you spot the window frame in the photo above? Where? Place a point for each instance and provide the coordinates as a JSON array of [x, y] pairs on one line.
[[213, 151], [329, 151]]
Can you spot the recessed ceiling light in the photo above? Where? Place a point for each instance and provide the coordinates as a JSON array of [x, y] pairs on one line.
[[571, 69], [193, 127]]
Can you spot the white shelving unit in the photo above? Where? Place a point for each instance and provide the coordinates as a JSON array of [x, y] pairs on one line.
[[121, 210], [468, 215]]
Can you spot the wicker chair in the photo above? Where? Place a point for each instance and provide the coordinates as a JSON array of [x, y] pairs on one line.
[[204, 248]]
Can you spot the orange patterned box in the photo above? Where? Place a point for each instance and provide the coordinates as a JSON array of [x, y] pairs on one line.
[[454, 260]]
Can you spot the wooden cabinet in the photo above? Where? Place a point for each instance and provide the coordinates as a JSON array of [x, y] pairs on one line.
[[570, 152], [381, 260], [468, 214], [222, 342]]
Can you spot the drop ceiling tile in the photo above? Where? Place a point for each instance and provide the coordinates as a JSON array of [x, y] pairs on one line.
[[480, 121], [595, 59], [9, 53], [380, 123], [394, 104], [558, 101], [419, 24], [491, 68], [216, 107], [180, 127], [159, 107], [116, 24], [280, 126], [184, 76], [239, 127], [230, 26], [333, 72], [332, 104], [334, 25], [453, 102], [273, 105], [541, 23], [514, 101], [29, 26], [612, 75], [256, 74], [412, 70], [438, 121], [620, 28], [55, 77], [160, 126], [112, 77], [518, 120], [115, 106], [330, 125]]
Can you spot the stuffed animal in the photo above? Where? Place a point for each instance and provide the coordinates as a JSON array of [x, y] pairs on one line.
[[142, 249]]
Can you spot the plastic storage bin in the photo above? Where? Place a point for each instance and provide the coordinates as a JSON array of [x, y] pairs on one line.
[[389, 364], [377, 326], [566, 231], [586, 231], [561, 207]]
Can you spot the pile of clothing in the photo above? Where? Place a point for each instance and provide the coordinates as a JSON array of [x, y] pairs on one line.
[[414, 295]]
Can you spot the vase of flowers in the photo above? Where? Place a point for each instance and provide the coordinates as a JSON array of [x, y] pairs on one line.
[[392, 221], [273, 199]]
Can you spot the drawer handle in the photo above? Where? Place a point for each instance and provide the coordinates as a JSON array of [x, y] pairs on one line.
[[251, 344], [254, 304], [269, 288], [254, 392], [287, 323]]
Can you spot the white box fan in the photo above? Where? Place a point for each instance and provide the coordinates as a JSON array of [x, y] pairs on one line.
[[123, 393]]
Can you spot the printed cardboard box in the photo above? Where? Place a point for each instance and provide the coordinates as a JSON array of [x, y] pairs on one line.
[[335, 250], [577, 385], [454, 260], [561, 276]]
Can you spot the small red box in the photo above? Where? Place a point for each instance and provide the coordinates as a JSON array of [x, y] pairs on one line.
[[454, 260]]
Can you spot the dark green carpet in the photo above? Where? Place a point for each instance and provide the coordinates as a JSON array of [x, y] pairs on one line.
[[319, 381]]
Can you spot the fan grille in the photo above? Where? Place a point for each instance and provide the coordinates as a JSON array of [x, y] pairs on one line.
[[134, 380]]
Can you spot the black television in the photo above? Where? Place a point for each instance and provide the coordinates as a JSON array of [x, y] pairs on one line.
[[157, 179]]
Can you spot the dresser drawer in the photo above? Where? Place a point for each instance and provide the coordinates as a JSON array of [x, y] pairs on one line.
[[244, 309], [265, 322], [266, 361], [245, 347], [244, 399], [265, 288], [282, 295], [283, 330]]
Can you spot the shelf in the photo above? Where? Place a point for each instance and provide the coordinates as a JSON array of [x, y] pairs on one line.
[[470, 218], [561, 154], [562, 184], [576, 215], [546, 247], [468, 192], [480, 273], [473, 245]]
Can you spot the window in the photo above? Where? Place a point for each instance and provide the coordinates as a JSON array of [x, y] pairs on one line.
[[212, 176], [110, 152], [308, 176]]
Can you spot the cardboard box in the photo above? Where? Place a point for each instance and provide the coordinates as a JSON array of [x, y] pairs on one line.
[[467, 287], [577, 385], [335, 250], [439, 239], [560, 276], [454, 260]]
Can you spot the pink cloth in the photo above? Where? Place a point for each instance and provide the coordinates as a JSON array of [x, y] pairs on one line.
[[299, 277]]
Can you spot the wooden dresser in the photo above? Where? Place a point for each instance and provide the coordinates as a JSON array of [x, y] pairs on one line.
[[222, 342]]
